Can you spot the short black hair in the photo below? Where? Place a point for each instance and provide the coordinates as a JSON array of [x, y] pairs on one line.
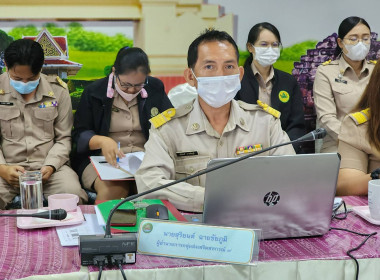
[[25, 52], [345, 26], [209, 35], [254, 34], [130, 60]]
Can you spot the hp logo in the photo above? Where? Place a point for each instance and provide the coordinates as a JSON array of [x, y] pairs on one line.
[[271, 198]]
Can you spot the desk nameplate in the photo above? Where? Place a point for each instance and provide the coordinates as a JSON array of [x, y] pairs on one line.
[[198, 241]]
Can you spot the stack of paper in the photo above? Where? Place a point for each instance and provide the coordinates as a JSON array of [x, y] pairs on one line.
[[128, 166]]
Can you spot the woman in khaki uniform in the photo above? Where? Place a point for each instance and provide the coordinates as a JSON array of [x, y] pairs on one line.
[[35, 121], [359, 142], [339, 84], [116, 109]]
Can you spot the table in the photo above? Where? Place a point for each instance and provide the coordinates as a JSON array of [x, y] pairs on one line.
[[37, 254]]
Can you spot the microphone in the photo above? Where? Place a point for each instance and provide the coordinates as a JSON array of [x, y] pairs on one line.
[[57, 214], [311, 136]]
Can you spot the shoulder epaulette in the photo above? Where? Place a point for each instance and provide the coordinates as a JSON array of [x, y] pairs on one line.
[[360, 117], [62, 83], [326, 62], [162, 118], [269, 109], [373, 61]]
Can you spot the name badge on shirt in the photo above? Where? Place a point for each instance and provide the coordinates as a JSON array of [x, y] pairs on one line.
[[6, 103], [186, 154], [339, 80]]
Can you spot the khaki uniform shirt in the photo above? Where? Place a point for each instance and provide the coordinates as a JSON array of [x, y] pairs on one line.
[[185, 145], [265, 87], [355, 149], [336, 91], [125, 125], [36, 133]]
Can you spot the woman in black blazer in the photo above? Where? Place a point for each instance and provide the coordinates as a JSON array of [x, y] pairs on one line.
[[116, 110], [271, 86]]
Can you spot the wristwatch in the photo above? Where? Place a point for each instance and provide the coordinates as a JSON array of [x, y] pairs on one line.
[[375, 174]]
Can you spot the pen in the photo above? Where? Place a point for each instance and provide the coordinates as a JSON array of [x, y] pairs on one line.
[[118, 147], [103, 161]]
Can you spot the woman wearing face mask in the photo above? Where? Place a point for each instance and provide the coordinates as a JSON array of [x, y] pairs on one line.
[[263, 82], [339, 84], [112, 110], [36, 121]]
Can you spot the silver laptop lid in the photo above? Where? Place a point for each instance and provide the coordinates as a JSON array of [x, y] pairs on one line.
[[285, 196]]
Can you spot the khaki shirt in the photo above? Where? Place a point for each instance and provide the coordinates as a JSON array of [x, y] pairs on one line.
[[265, 87], [125, 125], [336, 91], [36, 133], [185, 144], [355, 149]]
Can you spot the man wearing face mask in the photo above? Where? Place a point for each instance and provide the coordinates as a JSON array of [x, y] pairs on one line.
[[36, 121], [339, 84], [214, 125], [261, 81]]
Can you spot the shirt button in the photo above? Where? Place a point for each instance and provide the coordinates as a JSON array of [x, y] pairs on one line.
[[242, 122], [220, 143], [191, 169], [128, 117]]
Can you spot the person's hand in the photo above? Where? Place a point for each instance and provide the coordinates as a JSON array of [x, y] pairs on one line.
[[111, 151], [46, 172], [11, 173]]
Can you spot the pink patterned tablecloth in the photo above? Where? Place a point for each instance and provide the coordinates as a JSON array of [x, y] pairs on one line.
[[38, 252]]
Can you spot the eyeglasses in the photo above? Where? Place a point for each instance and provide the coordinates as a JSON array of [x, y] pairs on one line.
[[353, 40], [126, 86], [274, 45]]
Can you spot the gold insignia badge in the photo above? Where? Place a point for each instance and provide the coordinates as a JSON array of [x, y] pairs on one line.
[[154, 112], [114, 109], [195, 126], [2, 91], [269, 109], [51, 94], [62, 83]]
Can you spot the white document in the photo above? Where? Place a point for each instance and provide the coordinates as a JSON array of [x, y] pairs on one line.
[[131, 162], [69, 235]]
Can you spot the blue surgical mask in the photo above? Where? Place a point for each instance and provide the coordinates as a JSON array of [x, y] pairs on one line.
[[24, 88]]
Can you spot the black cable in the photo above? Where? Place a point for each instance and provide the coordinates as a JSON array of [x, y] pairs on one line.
[[368, 235], [100, 271], [122, 271], [335, 214]]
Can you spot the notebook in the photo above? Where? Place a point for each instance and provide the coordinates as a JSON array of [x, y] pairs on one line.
[[285, 196], [128, 166]]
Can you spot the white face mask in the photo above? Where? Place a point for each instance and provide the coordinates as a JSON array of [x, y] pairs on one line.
[[357, 52], [266, 56], [126, 96], [219, 90]]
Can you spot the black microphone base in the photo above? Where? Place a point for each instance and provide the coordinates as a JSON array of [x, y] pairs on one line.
[[110, 251]]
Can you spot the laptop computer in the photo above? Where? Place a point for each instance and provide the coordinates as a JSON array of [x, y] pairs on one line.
[[285, 196]]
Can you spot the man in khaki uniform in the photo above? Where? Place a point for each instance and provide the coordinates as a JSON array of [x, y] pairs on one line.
[[35, 126], [337, 89], [212, 126]]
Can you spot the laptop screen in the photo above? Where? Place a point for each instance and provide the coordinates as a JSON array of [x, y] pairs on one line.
[[285, 196]]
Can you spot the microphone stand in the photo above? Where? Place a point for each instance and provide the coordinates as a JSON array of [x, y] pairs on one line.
[[199, 173]]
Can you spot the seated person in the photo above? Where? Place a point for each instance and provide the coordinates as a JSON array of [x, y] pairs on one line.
[[214, 125], [359, 142], [36, 121], [339, 84], [261, 81], [116, 109]]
